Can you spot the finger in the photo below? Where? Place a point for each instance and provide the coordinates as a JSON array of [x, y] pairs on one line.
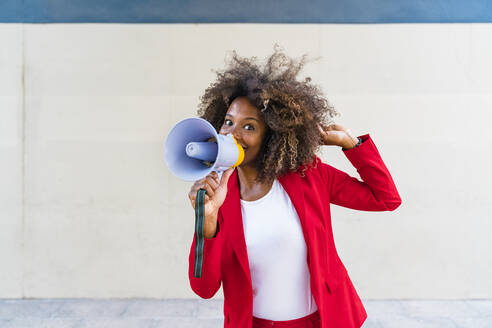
[[333, 137], [336, 134], [208, 189], [214, 174], [212, 182], [192, 195], [197, 185], [225, 177], [337, 127], [202, 181], [194, 190]]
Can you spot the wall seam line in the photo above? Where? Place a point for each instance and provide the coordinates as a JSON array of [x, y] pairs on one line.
[[23, 175]]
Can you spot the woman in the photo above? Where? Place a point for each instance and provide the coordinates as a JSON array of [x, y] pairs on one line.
[[268, 234]]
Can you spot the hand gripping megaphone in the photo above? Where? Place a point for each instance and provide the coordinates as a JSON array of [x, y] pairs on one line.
[[192, 150]]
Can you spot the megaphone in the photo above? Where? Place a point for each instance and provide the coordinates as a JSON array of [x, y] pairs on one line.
[[193, 149]]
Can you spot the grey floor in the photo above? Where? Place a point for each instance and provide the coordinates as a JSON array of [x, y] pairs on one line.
[[140, 313]]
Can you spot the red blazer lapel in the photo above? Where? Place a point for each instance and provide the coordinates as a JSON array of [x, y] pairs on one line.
[[231, 213]]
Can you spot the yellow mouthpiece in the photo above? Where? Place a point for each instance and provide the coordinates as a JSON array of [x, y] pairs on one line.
[[240, 158]]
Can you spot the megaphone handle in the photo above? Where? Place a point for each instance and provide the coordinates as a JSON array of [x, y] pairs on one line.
[[199, 234]]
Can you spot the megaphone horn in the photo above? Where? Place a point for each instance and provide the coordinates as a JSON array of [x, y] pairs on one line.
[[193, 149]]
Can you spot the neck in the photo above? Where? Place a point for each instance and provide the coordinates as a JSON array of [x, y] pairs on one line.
[[249, 188], [247, 176]]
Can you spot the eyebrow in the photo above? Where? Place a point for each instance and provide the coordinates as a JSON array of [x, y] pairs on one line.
[[246, 118]]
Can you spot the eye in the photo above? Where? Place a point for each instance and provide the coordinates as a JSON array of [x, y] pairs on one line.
[[227, 122], [251, 127]]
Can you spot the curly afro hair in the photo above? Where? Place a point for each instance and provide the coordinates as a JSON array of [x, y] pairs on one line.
[[290, 109]]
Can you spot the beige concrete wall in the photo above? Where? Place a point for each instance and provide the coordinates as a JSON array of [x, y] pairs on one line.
[[11, 166], [90, 210]]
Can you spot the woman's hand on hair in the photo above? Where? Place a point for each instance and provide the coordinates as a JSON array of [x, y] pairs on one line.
[[335, 134]]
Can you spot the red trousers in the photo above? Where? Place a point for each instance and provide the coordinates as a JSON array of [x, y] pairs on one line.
[[310, 321]]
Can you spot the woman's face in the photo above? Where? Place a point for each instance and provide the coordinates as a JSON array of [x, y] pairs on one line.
[[244, 122]]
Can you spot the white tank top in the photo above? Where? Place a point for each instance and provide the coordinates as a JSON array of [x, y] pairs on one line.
[[277, 256]]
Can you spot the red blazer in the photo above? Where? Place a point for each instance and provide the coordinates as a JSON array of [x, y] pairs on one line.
[[225, 258]]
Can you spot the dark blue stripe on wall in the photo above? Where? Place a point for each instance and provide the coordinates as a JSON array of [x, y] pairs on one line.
[[245, 11]]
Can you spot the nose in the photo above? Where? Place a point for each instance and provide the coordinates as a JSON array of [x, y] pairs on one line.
[[236, 132]]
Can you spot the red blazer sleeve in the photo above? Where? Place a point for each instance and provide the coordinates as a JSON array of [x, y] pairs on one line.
[[211, 278], [377, 191]]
